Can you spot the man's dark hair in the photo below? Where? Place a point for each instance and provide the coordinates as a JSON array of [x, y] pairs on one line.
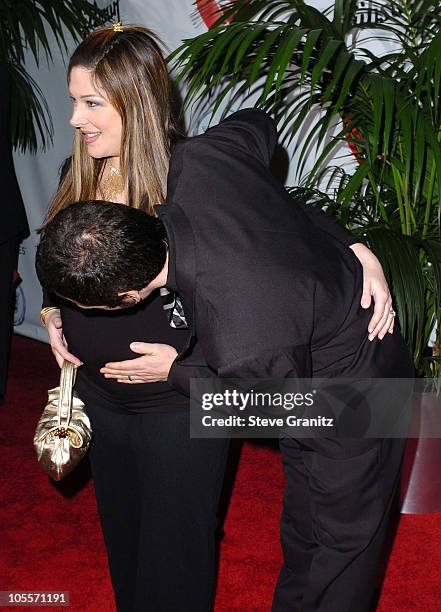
[[93, 250]]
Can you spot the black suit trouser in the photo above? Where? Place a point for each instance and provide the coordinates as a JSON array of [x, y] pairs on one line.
[[157, 492], [335, 516], [8, 263]]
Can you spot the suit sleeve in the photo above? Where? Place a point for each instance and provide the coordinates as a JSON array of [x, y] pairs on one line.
[[256, 342], [293, 362], [329, 224], [284, 362], [288, 362], [180, 375]]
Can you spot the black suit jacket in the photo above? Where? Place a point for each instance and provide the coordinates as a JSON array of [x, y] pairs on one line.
[[269, 289], [13, 217]]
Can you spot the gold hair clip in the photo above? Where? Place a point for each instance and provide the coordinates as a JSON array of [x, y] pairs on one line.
[[117, 27]]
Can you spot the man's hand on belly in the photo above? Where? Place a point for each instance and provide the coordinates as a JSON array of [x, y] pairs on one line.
[[153, 365]]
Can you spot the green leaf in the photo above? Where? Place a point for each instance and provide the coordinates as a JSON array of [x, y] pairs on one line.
[[29, 110], [249, 35], [400, 260], [284, 55], [354, 183], [341, 66], [354, 70], [330, 48], [256, 65], [25, 28], [310, 45]]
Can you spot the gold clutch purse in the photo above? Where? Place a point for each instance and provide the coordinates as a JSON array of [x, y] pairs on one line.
[[63, 433]]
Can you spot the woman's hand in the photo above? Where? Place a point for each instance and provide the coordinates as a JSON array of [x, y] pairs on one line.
[[375, 286], [153, 366], [54, 326]]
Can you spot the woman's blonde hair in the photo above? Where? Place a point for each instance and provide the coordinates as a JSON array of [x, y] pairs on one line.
[[129, 68]]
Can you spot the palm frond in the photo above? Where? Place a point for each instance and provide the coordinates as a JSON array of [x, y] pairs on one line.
[[24, 27], [30, 120], [333, 95]]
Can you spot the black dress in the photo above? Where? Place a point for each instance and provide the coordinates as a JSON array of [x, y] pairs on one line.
[[99, 336], [157, 490]]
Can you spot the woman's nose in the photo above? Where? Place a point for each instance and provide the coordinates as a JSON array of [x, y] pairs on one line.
[[77, 119]]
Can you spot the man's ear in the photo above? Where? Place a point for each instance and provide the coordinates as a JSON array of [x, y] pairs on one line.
[[132, 295]]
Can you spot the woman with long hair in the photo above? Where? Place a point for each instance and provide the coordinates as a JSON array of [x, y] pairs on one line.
[[157, 490]]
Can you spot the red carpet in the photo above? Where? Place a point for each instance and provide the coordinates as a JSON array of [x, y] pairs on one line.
[[50, 537]]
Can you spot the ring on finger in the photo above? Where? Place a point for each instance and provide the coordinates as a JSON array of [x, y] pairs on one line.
[[392, 312]]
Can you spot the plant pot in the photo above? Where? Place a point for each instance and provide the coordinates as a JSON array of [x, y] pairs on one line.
[[421, 475]]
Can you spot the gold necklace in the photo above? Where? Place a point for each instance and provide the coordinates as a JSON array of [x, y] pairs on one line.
[[113, 185]]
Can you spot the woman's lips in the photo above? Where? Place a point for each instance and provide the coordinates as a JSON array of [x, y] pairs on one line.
[[89, 137]]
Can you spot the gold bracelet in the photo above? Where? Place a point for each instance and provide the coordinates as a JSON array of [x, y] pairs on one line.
[[44, 312]]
